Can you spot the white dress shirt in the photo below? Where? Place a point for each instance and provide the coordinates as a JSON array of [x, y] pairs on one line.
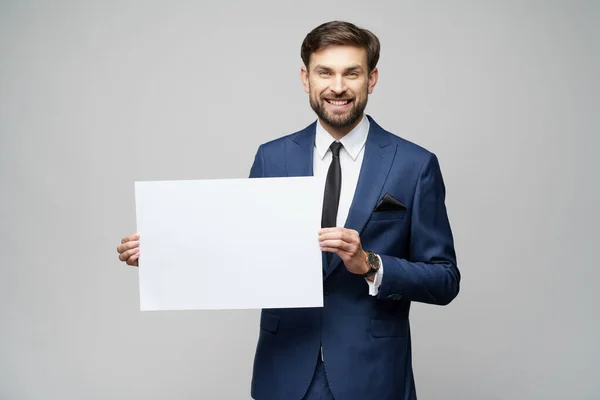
[[351, 158]]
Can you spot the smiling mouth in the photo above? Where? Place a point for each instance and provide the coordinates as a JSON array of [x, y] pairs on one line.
[[338, 102]]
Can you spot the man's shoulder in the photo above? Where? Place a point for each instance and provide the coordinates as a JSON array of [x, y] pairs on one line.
[[300, 135], [404, 146]]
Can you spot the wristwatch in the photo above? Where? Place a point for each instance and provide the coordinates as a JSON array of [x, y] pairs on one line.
[[372, 261]]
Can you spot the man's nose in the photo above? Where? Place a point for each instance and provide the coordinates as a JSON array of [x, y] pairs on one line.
[[338, 86]]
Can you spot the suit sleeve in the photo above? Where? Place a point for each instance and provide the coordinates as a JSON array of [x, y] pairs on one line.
[[430, 275], [258, 167]]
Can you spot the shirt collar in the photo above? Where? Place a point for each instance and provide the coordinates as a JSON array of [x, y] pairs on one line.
[[353, 141]]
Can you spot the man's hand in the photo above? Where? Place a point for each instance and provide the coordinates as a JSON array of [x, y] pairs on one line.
[[129, 249], [346, 244]]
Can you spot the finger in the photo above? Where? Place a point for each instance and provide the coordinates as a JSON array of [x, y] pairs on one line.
[[347, 236], [331, 249], [343, 254], [126, 254], [334, 236], [338, 244], [329, 234], [329, 230], [132, 262], [127, 246], [133, 236], [337, 228]]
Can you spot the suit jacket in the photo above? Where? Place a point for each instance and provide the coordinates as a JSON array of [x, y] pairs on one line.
[[365, 339]]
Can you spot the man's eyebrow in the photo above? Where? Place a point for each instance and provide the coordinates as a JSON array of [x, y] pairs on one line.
[[351, 68], [354, 67]]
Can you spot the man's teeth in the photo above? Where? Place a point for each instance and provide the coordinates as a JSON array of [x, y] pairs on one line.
[[338, 103]]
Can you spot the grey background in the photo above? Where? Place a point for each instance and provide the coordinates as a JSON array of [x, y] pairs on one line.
[[96, 95]]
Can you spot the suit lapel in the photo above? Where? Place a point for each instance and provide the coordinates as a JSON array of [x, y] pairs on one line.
[[377, 161], [299, 152]]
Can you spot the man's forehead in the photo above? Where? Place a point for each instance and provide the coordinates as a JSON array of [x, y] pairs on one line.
[[339, 57]]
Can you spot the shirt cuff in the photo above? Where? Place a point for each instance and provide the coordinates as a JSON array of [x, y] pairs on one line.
[[374, 286]]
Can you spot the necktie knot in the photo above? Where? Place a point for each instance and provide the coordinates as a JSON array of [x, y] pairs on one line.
[[335, 148]]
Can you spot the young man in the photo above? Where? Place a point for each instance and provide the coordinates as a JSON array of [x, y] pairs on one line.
[[385, 237]]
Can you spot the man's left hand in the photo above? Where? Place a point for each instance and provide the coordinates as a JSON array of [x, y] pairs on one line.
[[346, 244]]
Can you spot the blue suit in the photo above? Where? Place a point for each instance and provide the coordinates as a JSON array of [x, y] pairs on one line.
[[365, 339]]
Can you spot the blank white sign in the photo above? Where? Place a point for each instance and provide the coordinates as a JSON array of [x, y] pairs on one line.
[[229, 243]]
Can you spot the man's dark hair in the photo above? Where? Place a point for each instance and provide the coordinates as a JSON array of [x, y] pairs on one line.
[[341, 33]]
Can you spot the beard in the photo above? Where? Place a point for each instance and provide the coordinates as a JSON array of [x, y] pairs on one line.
[[339, 120]]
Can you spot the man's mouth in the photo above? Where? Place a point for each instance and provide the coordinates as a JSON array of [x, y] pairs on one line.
[[338, 102]]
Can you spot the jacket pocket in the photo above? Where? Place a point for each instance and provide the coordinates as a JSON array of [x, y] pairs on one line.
[[269, 322], [388, 328], [387, 215]]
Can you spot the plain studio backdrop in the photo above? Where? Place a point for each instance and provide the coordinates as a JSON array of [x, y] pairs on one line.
[[97, 95]]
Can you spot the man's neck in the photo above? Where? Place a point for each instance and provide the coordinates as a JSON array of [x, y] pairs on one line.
[[339, 133]]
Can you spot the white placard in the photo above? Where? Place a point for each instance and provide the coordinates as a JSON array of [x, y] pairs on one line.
[[229, 243]]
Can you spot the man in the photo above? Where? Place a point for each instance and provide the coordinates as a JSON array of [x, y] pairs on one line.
[[385, 237]]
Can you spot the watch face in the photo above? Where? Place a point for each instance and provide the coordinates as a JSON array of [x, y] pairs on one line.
[[373, 260]]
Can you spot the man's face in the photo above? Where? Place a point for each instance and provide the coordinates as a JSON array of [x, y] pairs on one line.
[[339, 84]]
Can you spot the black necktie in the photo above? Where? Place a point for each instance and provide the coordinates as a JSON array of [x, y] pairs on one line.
[[333, 185]]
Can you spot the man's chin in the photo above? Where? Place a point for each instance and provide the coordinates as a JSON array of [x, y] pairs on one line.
[[340, 121]]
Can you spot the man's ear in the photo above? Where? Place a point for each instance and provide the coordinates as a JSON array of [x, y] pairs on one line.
[[304, 77], [373, 77]]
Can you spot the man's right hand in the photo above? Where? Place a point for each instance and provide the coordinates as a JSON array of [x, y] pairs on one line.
[[129, 249]]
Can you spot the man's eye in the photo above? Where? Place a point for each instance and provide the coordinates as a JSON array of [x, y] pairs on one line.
[[352, 74], [323, 73]]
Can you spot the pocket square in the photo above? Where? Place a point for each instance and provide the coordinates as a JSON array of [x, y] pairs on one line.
[[389, 203]]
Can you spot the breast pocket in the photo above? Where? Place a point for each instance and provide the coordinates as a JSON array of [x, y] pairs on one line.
[[387, 215]]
